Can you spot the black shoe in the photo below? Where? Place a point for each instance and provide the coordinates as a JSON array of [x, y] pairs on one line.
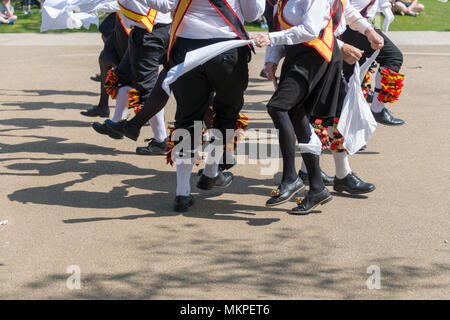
[[102, 129], [154, 148], [263, 74], [364, 147], [370, 95], [306, 205], [285, 192], [96, 112], [384, 117], [327, 180], [353, 185], [182, 203], [222, 180], [97, 78], [124, 128]]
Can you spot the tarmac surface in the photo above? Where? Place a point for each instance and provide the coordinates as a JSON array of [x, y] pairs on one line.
[[72, 197]]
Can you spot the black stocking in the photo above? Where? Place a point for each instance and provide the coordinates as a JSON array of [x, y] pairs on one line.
[[303, 132], [287, 140], [104, 67]]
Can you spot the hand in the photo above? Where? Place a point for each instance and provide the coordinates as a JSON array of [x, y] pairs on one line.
[[271, 68], [351, 54], [376, 41], [261, 39]]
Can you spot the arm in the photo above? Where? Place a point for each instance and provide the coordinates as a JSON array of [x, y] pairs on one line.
[[355, 20], [252, 10], [107, 6], [164, 6], [310, 28], [6, 3]]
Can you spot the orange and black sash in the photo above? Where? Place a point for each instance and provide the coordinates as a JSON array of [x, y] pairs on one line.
[[221, 6], [337, 13], [127, 30], [147, 20], [364, 12], [324, 44]]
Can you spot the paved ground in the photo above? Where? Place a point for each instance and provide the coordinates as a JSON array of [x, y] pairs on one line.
[[73, 197]]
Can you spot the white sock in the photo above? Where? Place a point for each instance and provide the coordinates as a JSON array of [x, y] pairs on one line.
[[158, 126], [341, 164], [121, 109], [377, 106], [212, 165], [184, 170]]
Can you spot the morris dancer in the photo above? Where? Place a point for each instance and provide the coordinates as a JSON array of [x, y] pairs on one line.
[[309, 85], [136, 76], [389, 80], [113, 51], [196, 24], [345, 179]]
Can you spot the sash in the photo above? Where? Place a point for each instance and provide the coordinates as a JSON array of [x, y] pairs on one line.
[[224, 10], [325, 42], [338, 12], [147, 20], [364, 12], [127, 30]]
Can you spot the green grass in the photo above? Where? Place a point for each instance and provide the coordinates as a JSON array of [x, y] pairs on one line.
[[435, 17]]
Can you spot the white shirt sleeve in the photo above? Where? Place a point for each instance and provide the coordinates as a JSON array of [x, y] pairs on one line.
[[340, 43], [386, 9], [252, 9], [275, 54], [107, 6], [165, 6], [355, 20], [312, 24]]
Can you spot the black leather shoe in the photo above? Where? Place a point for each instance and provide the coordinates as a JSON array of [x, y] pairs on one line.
[[312, 200], [327, 180], [96, 112], [123, 128], [384, 117], [370, 95], [154, 148], [222, 180], [353, 185], [182, 203], [263, 74], [102, 129], [97, 77], [285, 192]]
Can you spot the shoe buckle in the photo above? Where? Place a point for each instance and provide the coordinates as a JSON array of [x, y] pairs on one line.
[[275, 193], [299, 201]]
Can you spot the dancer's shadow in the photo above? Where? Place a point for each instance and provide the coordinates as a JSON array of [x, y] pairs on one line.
[[42, 105], [7, 92], [159, 202], [62, 92], [54, 145], [33, 123]]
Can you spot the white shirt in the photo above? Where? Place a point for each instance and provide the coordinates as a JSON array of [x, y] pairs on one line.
[[308, 18], [353, 19], [134, 5], [361, 4], [202, 21], [350, 17]]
